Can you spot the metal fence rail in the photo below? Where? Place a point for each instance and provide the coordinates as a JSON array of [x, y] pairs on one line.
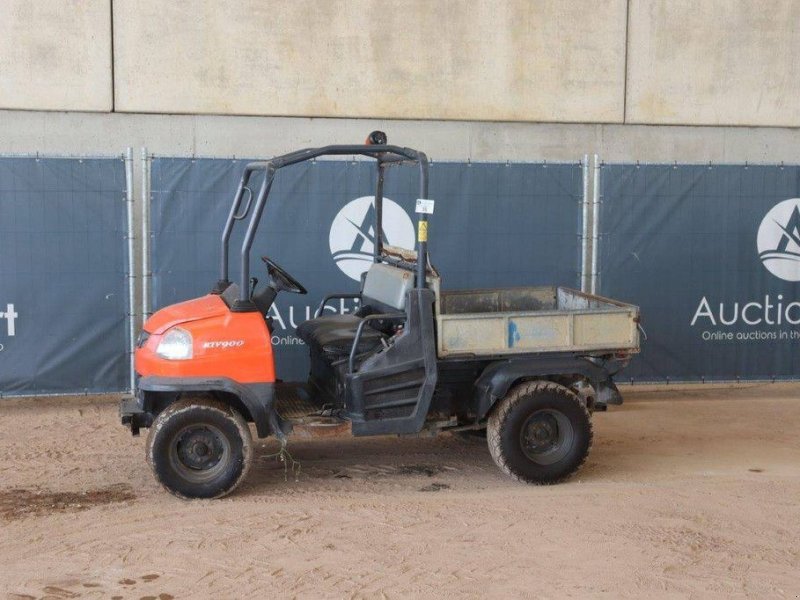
[[683, 241]]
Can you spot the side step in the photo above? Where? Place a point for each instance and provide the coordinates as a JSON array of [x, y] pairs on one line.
[[307, 418]]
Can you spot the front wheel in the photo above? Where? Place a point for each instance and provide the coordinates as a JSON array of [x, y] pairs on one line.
[[199, 448], [540, 433]]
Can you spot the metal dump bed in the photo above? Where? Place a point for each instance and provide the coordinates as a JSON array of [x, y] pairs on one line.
[[533, 319]]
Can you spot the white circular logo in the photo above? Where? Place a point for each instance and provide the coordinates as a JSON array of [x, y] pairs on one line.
[[779, 240], [352, 238]]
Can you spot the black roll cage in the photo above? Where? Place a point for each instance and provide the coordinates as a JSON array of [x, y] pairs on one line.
[[384, 154]]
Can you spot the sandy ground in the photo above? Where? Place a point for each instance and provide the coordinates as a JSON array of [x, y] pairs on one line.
[[688, 492]]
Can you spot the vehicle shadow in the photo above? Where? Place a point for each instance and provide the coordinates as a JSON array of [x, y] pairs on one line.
[[387, 463]]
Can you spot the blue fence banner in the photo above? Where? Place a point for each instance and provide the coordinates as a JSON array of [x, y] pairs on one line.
[[712, 256], [63, 276]]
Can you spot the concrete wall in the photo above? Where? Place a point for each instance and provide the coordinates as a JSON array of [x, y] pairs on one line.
[[706, 62], [55, 55], [714, 62], [459, 59], [24, 132]]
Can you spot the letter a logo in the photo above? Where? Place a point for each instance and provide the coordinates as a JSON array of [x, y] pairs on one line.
[[779, 240], [352, 237]]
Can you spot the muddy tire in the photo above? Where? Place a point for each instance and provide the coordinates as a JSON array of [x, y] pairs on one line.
[[539, 433], [199, 448]]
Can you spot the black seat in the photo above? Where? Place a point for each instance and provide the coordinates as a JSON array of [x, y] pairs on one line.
[[334, 334], [384, 291]]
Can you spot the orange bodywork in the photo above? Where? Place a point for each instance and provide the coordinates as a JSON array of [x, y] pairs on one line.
[[225, 343]]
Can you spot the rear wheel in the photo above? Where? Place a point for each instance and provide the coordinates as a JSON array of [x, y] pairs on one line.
[[199, 448], [540, 432]]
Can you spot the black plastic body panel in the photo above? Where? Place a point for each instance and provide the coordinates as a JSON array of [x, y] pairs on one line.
[[498, 376], [257, 398], [391, 391]]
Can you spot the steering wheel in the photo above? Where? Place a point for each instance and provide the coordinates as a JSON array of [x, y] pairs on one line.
[[281, 280]]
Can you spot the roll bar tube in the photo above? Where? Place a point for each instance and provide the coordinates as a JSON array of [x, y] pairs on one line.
[[249, 236], [226, 232], [422, 225], [383, 153], [378, 245]]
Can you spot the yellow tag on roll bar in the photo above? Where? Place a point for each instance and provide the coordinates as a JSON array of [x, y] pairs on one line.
[[422, 231]]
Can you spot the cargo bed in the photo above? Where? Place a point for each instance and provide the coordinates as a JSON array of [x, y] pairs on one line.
[[533, 319]]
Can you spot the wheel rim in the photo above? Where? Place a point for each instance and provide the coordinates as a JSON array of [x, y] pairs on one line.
[[199, 453], [546, 436]]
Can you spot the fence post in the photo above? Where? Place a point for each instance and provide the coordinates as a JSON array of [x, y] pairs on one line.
[[595, 222], [145, 235], [585, 225], [131, 274]]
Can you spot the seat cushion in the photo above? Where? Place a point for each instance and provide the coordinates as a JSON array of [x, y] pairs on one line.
[[334, 334], [308, 330]]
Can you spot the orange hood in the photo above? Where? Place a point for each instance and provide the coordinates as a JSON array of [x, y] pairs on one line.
[[184, 312]]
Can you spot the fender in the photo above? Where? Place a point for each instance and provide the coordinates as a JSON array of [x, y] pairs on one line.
[[499, 376], [258, 398]]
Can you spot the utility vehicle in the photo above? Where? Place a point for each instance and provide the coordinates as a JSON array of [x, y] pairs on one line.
[[527, 364]]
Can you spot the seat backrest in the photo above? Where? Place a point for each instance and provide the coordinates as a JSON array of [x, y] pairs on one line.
[[387, 285]]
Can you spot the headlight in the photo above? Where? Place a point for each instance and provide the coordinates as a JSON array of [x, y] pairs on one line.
[[175, 345]]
